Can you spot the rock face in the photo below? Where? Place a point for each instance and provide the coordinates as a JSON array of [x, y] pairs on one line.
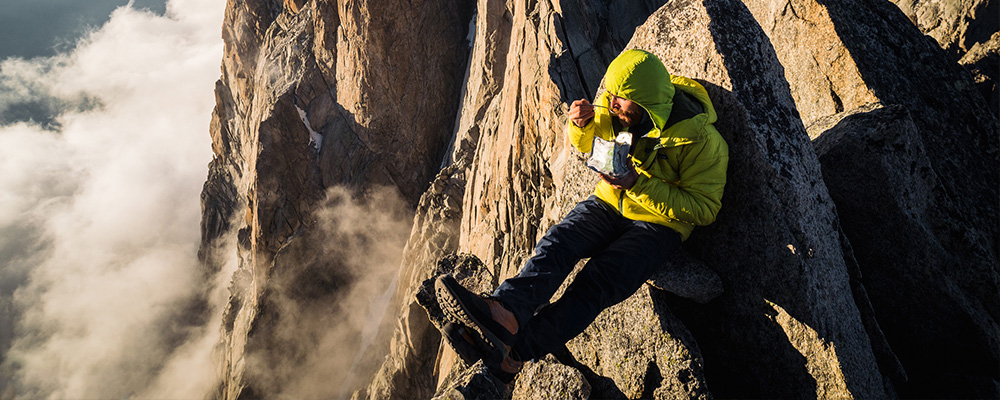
[[315, 95], [878, 171], [845, 54], [502, 191], [983, 62], [790, 294], [788, 303], [956, 25], [969, 30]]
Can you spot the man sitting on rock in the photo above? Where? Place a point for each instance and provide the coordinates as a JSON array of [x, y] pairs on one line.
[[628, 228]]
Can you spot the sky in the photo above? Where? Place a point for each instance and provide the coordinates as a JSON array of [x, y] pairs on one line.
[[104, 146], [34, 28]]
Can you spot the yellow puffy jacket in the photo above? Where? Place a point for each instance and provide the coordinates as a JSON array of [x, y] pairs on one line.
[[681, 161]]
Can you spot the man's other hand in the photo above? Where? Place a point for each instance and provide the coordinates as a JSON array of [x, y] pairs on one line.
[[624, 182], [581, 112]]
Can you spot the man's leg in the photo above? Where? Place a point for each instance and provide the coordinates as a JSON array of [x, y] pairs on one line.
[[590, 227], [608, 278], [587, 229]]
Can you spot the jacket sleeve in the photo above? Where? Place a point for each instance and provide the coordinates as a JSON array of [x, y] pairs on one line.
[[582, 138], [600, 125], [697, 196]]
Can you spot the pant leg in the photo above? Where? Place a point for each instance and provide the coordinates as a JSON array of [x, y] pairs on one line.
[[588, 228], [609, 278]]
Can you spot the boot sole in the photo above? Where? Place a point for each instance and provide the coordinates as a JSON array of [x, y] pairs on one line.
[[455, 310], [466, 343]]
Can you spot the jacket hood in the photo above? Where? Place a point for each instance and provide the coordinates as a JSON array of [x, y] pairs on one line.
[[639, 76], [692, 110]]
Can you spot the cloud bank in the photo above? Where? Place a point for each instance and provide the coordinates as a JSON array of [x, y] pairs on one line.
[[103, 152], [355, 247]]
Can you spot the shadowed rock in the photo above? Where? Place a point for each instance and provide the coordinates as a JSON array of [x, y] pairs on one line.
[[788, 303], [956, 25], [876, 167], [969, 30], [687, 277], [549, 379]]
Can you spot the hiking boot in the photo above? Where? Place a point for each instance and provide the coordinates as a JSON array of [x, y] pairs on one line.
[[495, 325], [507, 370], [470, 348], [466, 343]]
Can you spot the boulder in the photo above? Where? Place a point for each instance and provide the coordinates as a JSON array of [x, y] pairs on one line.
[[878, 171], [687, 277], [787, 324], [473, 383], [549, 379], [638, 349]]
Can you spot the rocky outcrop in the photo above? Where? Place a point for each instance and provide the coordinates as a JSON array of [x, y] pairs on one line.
[[315, 94], [956, 25], [879, 173], [962, 212], [983, 62], [841, 57], [634, 349], [969, 30], [787, 295]]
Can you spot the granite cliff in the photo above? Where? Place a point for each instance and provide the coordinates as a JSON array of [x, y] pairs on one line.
[[856, 254]]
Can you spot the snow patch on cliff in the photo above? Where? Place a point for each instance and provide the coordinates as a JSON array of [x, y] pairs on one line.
[[315, 139]]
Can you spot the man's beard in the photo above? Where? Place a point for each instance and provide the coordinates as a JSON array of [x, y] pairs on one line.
[[629, 117]]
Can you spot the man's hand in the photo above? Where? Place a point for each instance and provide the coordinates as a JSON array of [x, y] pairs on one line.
[[625, 182], [581, 112]]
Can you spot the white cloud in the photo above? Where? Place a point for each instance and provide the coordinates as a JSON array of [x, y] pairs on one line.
[[358, 243], [109, 204]]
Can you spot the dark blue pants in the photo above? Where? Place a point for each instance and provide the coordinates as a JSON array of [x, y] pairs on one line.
[[623, 254]]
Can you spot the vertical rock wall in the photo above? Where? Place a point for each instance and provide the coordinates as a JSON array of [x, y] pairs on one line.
[[879, 58], [315, 94], [500, 193]]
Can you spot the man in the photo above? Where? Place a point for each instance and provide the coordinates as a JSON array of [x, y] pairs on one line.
[[628, 228]]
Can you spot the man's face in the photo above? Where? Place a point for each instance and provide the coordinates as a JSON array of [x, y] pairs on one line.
[[628, 111]]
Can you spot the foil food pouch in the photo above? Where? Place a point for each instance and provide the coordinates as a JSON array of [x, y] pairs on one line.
[[611, 158]]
